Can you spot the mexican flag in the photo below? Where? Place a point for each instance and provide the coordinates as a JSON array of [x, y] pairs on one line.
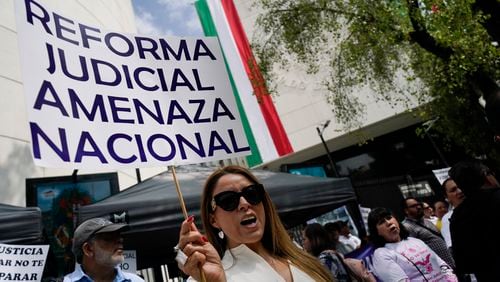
[[266, 135]]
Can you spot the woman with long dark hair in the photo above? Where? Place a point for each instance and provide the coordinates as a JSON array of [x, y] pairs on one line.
[[399, 257]]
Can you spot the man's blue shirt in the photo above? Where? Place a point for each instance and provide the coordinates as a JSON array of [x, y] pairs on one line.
[[79, 276]]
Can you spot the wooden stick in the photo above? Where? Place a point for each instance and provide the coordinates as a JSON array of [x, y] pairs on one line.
[[179, 193], [184, 210]]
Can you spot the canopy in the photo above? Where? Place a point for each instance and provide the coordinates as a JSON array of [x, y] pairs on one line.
[[20, 225], [154, 214]]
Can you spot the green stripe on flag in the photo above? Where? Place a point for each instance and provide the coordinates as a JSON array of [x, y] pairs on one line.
[[210, 30]]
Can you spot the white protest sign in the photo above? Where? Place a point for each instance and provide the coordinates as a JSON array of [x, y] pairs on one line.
[[109, 99], [130, 262], [22, 262], [441, 174]]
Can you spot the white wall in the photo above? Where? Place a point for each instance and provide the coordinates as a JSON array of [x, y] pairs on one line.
[[16, 162]]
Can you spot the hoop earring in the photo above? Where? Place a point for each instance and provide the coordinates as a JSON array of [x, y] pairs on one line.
[[221, 234]]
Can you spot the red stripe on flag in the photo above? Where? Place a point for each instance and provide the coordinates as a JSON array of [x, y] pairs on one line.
[[267, 108]]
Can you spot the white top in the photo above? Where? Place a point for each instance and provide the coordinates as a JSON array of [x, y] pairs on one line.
[[243, 264], [389, 264], [350, 241], [445, 227]]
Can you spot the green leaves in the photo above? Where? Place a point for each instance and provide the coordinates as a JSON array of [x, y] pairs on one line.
[[405, 51]]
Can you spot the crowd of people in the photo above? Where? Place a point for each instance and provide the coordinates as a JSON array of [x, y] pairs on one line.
[[243, 238]]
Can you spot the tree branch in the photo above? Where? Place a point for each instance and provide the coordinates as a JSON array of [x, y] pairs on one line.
[[421, 36]]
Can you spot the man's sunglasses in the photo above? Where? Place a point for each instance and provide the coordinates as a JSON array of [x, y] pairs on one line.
[[229, 200], [416, 205]]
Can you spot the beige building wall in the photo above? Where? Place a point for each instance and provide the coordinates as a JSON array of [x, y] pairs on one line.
[[16, 162]]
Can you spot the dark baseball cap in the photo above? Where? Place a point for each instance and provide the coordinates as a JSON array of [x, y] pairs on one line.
[[94, 226]]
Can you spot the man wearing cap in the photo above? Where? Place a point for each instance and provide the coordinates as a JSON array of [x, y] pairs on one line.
[[98, 249]]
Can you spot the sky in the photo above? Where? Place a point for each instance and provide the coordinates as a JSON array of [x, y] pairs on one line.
[[167, 17]]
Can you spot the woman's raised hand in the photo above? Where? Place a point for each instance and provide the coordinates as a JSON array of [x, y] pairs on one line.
[[201, 255]]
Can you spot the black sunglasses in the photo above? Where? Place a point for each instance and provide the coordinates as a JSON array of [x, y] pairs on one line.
[[229, 200]]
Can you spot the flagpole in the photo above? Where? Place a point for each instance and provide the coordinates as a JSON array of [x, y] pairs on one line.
[[184, 210]]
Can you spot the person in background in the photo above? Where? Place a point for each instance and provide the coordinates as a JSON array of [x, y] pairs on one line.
[[423, 229], [429, 212], [245, 239], [333, 230], [440, 209], [98, 249], [455, 197], [401, 258], [317, 242], [349, 240], [474, 223]]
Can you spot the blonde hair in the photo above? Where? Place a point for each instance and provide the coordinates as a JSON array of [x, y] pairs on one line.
[[275, 238]]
